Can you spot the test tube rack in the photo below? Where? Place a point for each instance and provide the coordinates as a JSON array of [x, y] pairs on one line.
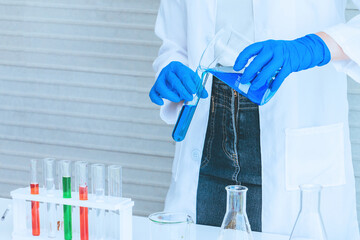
[[121, 208]]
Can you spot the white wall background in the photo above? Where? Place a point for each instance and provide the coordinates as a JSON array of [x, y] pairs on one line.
[[74, 82]]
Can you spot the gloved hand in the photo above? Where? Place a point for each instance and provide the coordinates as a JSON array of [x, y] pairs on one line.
[[286, 56], [176, 82]]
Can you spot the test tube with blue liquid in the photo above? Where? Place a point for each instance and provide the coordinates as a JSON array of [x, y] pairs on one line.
[[188, 110], [218, 60]]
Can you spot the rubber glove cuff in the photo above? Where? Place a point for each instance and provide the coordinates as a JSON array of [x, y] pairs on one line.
[[320, 52]]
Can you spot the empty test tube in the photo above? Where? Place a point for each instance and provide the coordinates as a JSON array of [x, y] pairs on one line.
[[115, 181], [98, 189], [98, 180], [82, 187], [49, 184], [34, 189], [114, 190], [65, 167]]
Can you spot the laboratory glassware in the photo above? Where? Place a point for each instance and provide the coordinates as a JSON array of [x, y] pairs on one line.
[[188, 109], [218, 60], [309, 224], [49, 185], [34, 189], [22, 198], [81, 186], [170, 226], [98, 190], [65, 167], [235, 225], [115, 181], [59, 208], [114, 190]]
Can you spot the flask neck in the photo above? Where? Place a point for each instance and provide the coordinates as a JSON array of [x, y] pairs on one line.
[[310, 200], [236, 201]]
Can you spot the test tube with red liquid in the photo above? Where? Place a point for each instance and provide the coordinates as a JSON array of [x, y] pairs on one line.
[[82, 186], [34, 189]]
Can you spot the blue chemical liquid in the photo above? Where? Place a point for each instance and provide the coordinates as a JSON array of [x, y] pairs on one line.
[[183, 122], [232, 79]]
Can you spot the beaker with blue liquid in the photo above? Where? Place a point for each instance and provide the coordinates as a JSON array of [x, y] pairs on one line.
[[218, 60]]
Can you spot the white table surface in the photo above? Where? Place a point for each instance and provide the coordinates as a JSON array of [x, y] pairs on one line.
[[140, 228]]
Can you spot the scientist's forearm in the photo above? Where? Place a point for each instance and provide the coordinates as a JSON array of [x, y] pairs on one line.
[[336, 51]]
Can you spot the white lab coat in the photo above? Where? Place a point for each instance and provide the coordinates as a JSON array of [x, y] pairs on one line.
[[304, 128]]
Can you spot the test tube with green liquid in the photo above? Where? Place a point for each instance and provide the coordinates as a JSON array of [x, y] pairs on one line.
[[66, 187]]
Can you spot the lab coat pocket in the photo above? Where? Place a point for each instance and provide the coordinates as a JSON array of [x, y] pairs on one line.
[[315, 155]]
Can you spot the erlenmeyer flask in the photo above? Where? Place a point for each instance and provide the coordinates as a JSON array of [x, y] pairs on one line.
[[309, 224], [235, 225]]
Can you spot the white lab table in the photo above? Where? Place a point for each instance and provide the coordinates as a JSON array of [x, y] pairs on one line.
[[140, 228]]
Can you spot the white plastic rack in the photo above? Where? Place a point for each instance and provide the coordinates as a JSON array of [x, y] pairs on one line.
[[118, 215]]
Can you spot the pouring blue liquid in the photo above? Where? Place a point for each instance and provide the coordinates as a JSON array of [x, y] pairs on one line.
[[231, 78]]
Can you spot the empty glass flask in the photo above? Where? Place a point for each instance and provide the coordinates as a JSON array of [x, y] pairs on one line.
[[235, 225], [309, 224]]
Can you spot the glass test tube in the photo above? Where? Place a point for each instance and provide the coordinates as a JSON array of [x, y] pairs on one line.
[[34, 189], [49, 184], [98, 189], [82, 186], [66, 187], [59, 208], [114, 190], [188, 110], [115, 181]]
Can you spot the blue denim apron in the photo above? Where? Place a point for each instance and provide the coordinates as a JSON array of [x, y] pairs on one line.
[[231, 155]]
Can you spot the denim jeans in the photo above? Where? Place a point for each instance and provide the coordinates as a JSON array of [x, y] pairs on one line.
[[231, 155]]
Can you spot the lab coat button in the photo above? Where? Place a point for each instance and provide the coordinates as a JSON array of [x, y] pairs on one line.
[[195, 154]]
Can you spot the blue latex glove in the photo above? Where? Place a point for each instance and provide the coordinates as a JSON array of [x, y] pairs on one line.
[[286, 56], [176, 82]]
